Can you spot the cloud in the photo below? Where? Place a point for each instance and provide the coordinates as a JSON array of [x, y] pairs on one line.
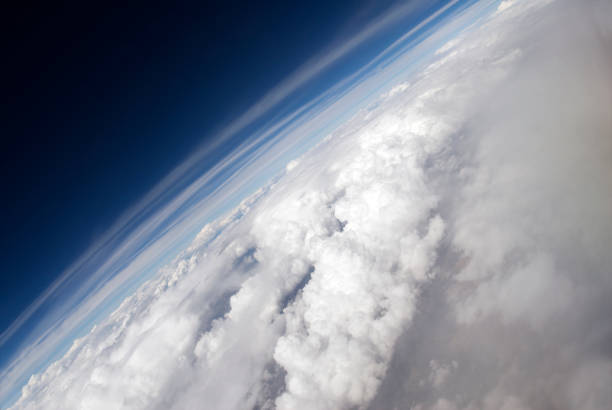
[[519, 300], [446, 248]]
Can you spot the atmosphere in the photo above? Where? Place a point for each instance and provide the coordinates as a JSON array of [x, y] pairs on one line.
[[322, 205]]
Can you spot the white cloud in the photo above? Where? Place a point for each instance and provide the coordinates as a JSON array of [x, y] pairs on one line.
[[519, 300]]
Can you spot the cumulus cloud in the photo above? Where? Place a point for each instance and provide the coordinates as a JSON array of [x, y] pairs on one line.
[[525, 269], [447, 248]]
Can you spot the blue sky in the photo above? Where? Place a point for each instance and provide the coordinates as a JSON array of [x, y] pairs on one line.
[[94, 156]]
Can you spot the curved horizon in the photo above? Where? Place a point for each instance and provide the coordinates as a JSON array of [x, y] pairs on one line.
[[152, 232]]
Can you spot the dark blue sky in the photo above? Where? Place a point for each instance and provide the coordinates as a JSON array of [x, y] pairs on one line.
[[101, 102]]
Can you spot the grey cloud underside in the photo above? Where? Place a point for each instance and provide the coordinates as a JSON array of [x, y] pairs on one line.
[[448, 248]]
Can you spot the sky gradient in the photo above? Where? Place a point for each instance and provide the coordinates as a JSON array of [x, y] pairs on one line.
[[123, 100]]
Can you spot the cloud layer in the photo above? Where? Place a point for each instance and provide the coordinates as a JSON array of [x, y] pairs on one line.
[[447, 248]]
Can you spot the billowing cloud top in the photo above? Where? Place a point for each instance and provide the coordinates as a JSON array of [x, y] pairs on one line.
[[446, 248]]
